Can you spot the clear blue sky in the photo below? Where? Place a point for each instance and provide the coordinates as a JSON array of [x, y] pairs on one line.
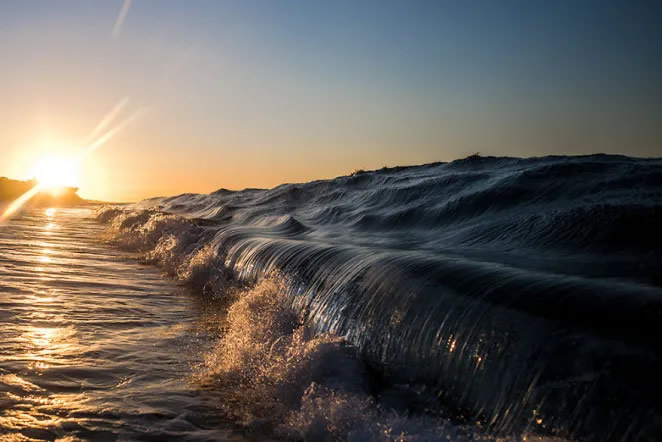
[[255, 93]]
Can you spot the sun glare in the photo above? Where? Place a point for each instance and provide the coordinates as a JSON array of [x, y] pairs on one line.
[[55, 172]]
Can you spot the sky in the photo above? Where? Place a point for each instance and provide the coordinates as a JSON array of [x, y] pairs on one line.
[[239, 94]]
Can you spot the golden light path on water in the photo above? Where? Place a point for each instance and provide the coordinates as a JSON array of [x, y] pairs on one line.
[[93, 346]]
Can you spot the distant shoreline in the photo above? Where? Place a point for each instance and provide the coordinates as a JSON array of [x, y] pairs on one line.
[[11, 189]]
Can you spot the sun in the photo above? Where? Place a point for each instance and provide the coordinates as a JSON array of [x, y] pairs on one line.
[[56, 172]]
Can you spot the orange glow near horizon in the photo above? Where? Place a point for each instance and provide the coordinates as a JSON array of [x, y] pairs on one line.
[[56, 172], [243, 96]]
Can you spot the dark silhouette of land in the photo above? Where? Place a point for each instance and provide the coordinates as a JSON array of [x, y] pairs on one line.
[[12, 189]]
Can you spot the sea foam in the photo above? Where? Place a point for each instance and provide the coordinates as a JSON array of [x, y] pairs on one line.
[[508, 296]]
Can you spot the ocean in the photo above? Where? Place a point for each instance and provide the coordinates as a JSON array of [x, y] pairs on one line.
[[93, 344], [480, 299]]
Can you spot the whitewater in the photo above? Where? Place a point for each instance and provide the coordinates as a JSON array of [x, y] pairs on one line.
[[480, 299]]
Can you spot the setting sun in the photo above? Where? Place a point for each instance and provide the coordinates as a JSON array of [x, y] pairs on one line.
[[53, 172]]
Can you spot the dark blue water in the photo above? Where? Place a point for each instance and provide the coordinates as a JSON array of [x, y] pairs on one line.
[[518, 296]]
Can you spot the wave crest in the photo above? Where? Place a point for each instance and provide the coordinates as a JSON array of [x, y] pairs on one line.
[[521, 293]]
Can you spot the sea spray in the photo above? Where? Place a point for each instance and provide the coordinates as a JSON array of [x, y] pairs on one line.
[[520, 293], [275, 376]]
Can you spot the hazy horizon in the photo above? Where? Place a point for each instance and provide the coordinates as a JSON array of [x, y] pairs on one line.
[[331, 178], [237, 95]]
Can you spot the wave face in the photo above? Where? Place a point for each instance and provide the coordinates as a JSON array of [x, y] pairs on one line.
[[524, 292]]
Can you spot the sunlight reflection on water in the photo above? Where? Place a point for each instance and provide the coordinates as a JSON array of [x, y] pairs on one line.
[[93, 346]]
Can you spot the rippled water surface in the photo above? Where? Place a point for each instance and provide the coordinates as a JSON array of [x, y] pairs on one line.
[[522, 293], [480, 299], [94, 345]]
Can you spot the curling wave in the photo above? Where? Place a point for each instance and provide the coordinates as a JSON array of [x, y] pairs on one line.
[[522, 294]]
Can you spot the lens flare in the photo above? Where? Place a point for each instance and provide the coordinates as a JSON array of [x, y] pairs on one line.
[[120, 18], [55, 173], [18, 203]]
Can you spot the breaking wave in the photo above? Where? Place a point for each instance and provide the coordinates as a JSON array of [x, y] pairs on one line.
[[486, 296]]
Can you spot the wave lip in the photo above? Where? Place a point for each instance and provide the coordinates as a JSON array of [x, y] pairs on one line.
[[524, 292]]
